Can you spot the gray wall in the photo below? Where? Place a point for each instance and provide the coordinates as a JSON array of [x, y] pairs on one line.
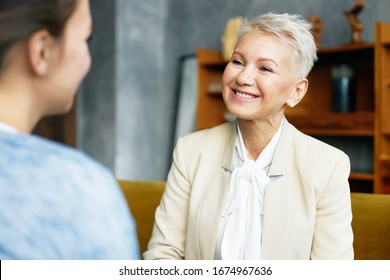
[[128, 101], [96, 120], [143, 106]]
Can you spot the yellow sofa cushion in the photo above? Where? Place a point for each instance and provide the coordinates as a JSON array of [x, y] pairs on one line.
[[371, 226], [143, 197], [371, 217]]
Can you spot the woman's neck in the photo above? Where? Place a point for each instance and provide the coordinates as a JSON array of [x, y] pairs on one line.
[[17, 112], [257, 135]]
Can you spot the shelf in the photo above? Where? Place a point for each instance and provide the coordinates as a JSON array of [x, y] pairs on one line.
[[384, 158], [386, 132], [327, 124], [347, 48], [361, 176], [384, 173], [361, 182], [214, 89], [207, 57], [385, 165]]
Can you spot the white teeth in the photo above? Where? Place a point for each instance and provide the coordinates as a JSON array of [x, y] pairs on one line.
[[244, 95]]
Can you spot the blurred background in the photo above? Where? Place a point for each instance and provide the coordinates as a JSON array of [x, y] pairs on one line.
[[127, 110]]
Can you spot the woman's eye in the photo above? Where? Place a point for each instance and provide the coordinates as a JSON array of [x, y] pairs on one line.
[[265, 69], [236, 62]]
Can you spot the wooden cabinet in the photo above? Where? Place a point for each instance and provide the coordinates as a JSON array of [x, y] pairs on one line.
[[382, 109], [364, 133], [211, 108], [61, 129]]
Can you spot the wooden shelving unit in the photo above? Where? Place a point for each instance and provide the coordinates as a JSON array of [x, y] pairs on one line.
[[211, 109], [61, 129], [382, 112], [369, 123]]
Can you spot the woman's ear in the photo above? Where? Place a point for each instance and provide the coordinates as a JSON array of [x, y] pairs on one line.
[[39, 52], [300, 91]]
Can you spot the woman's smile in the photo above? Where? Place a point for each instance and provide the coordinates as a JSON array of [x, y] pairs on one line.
[[245, 96]]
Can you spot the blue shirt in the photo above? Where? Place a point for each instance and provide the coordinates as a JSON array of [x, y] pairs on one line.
[[57, 203]]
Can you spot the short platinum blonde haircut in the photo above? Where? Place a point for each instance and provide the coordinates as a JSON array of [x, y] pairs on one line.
[[292, 30]]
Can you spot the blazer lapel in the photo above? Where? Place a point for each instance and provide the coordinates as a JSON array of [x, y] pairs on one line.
[[278, 202], [282, 151], [215, 196], [227, 161]]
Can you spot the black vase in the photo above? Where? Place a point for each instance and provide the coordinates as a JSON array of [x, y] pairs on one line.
[[343, 89]]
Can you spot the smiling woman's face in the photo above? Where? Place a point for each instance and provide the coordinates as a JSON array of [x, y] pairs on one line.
[[257, 82]]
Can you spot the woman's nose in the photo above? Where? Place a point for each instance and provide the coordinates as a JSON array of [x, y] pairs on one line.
[[245, 77]]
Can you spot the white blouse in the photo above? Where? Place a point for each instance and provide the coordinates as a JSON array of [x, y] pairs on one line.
[[240, 230]]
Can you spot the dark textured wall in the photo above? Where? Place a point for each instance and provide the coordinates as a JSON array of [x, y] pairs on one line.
[[143, 104], [96, 102], [128, 101]]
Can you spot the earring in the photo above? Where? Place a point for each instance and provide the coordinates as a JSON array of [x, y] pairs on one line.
[[290, 103]]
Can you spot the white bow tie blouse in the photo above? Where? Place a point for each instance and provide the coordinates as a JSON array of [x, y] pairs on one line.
[[240, 230]]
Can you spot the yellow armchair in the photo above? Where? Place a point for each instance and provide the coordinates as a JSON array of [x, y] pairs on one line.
[[371, 226], [371, 217], [143, 197]]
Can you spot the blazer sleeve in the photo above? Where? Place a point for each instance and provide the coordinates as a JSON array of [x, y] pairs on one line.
[[169, 231], [333, 236]]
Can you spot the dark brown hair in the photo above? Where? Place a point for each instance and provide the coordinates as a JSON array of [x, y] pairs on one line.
[[19, 19]]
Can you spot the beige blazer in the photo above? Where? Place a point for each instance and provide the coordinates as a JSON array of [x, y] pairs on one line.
[[307, 209]]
